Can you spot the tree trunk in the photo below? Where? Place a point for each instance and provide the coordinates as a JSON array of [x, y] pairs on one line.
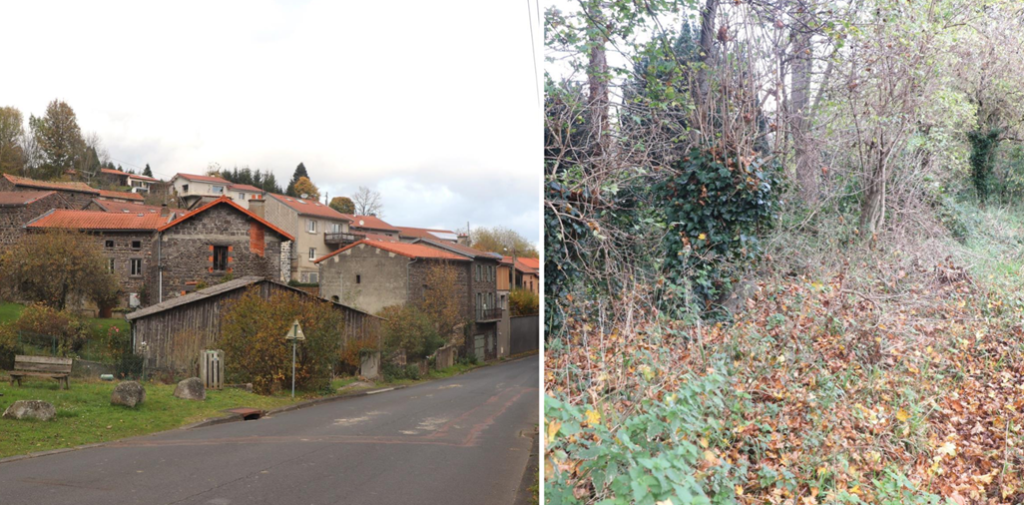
[[805, 154], [872, 208], [597, 78], [707, 47]]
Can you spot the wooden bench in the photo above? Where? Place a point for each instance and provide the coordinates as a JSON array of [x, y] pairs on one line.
[[42, 366]]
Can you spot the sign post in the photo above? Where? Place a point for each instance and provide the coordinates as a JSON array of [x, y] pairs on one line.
[[294, 334]]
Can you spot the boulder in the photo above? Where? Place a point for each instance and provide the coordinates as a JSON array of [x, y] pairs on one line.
[[191, 389], [128, 393], [36, 409]]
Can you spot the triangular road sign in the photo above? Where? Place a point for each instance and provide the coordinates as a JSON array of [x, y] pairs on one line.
[[295, 333]]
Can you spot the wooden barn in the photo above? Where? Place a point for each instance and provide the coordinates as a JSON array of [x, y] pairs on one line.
[[170, 334]]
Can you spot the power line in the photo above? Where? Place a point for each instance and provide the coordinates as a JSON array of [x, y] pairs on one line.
[[533, 50]]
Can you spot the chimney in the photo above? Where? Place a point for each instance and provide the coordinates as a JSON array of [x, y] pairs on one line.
[[463, 239], [163, 210], [256, 206]]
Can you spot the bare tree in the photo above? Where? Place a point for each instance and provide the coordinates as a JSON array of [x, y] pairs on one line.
[[368, 202]]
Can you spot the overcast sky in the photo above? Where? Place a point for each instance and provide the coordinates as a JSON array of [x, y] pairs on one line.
[[434, 104]]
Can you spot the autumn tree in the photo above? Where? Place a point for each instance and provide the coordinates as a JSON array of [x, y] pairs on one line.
[[300, 172], [343, 204], [441, 298], [368, 202], [304, 188], [58, 268], [59, 138], [12, 135], [502, 240], [252, 336]]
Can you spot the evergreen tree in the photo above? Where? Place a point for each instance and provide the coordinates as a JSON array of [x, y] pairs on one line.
[[300, 171], [147, 171]]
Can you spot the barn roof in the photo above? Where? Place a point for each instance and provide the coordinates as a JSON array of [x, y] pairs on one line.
[[414, 251], [219, 289], [21, 198]]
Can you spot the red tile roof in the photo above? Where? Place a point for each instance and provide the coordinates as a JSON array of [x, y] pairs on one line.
[[380, 238], [143, 178], [415, 251], [20, 198], [130, 207], [370, 223], [113, 172], [57, 186], [122, 195], [227, 201], [245, 187], [203, 178], [525, 265], [408, 231], [310, 207], [97, 221], [459, 249]]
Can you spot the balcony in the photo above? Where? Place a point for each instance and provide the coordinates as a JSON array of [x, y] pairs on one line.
[[339, 239], [485, 315]]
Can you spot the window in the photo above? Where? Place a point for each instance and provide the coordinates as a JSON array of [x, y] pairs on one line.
[[336, 228], [241, 196], [110, 265], [359, 278], [311, 226], [184, 188], [136, 265], [312, 253], [109, 244], [478, 272], [314, 278], [220, 258], [217, 189], [136, 244]]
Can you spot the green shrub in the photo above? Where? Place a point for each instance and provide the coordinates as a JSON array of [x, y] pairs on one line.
[[412, 371], [523, 302], [8, 346], [45, 323], [407, 327]]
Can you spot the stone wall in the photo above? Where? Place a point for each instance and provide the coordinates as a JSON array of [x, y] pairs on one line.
[[382, 278], [187, 251], [418, 272], [121, 247], [13, 219]]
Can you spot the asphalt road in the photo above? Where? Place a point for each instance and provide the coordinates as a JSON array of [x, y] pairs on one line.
[[453, 441]]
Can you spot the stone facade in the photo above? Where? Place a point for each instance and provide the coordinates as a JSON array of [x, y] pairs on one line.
[[187, 250], [366, 278], [124, 248], [14, 217]]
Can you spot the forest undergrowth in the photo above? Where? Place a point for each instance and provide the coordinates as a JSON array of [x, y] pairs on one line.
[[857, 371]]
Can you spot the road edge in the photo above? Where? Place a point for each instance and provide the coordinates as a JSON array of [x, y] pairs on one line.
[[532, 470]]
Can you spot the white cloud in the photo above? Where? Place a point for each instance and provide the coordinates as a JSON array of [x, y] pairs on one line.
[[433, 104]]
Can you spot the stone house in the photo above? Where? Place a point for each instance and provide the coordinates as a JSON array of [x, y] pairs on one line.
[[216, 242], [482, 301], [371, 274], [126, 240], [76, 194], [318, 229], [17, 208], [157, 255], [110, 177]]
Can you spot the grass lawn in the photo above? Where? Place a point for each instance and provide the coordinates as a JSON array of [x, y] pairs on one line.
[[10, 311], [85, 415]]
